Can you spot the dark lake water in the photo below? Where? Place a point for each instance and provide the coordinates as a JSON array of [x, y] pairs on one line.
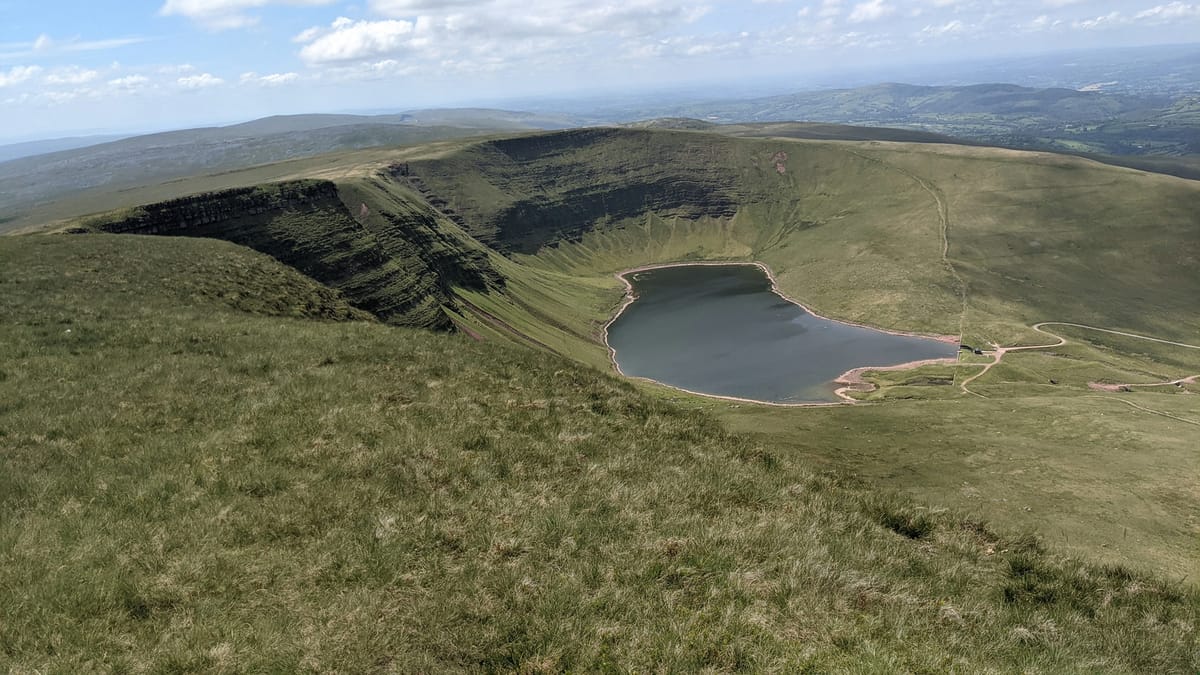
[[720, 329]]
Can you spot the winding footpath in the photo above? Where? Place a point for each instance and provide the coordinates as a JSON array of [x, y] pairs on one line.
[[998, 353]]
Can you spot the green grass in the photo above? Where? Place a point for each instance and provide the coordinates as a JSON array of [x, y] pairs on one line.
[[854, 230], [539, 514], [210, 462]]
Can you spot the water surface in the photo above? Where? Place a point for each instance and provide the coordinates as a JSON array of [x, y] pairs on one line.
[[722, 330]]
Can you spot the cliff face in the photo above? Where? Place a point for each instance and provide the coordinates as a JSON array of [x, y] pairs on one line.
[[395, 265], [523, 193]]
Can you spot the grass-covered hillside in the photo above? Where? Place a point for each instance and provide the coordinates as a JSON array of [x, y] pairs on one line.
[[392, 258], [211, 462], [1085, 120], [976, 242], [948, 239], [516, 240]]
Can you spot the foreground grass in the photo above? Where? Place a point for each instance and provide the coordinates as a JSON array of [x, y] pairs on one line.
[[192, 480]]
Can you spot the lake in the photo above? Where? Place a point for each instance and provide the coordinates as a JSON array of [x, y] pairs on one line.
[[722, 330]]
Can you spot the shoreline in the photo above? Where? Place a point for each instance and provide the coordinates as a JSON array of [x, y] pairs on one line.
[[852, 380]]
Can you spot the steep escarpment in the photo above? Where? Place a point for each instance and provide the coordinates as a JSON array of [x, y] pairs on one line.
[[594, 201], [394, 264], [409, 229], [520, 194]]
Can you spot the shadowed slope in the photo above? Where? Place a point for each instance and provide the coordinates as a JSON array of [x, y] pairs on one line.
[[397, 264], [857, 230]]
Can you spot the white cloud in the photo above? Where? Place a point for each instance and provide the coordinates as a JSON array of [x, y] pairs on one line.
[[18, 74], [176, 69], [94, 45], [1041, 23], [1104, 21], [830, 9], [1174, 10], [72, 75], [44, 45], [201, 81], [488, 33], [411, 7], [949, 28], [307, 35], [547, 18], [349, 41], [226, 14], [60, 97], [872, 10], [129, 83], [271, 80]]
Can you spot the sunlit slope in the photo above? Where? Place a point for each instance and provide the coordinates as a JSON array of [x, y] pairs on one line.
[[517, 238], [210, 462], [857, 230], [594, 202], [1044, 237]]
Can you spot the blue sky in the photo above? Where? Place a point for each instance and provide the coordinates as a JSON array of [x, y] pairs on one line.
[[74, 67]]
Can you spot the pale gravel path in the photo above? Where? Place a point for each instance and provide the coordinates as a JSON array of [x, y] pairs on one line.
[[999, 352]]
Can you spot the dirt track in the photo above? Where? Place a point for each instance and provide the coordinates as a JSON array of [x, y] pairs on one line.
[[998, 353]]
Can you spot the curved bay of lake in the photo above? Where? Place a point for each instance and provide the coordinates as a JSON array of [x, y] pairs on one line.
[[722, 330]]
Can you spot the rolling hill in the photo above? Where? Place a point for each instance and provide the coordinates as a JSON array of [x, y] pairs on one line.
[[257, 437], [11, 151], [1099, 123], [28, 181]]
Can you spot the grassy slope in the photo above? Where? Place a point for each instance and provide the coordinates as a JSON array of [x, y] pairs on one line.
[[1044, 237], [1034, 237], [853, 230], [110, 168], [336, 165], [1058, 120], [832, 212], [396, 258], [360, 497]]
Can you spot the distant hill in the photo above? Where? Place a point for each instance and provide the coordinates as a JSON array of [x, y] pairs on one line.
[[26, 181], [1057, 119], [41, 147], [836, 132], [894, 102], [1108, 126]]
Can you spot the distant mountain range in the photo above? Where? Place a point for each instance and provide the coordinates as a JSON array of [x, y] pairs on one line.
[[1066, 120], [28, 180], [1164, 128], [41, 147]]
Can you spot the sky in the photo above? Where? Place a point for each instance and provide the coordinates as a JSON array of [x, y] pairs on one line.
[[77, 66]]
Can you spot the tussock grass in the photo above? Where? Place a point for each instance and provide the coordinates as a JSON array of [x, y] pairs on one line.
[[197, 479]]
